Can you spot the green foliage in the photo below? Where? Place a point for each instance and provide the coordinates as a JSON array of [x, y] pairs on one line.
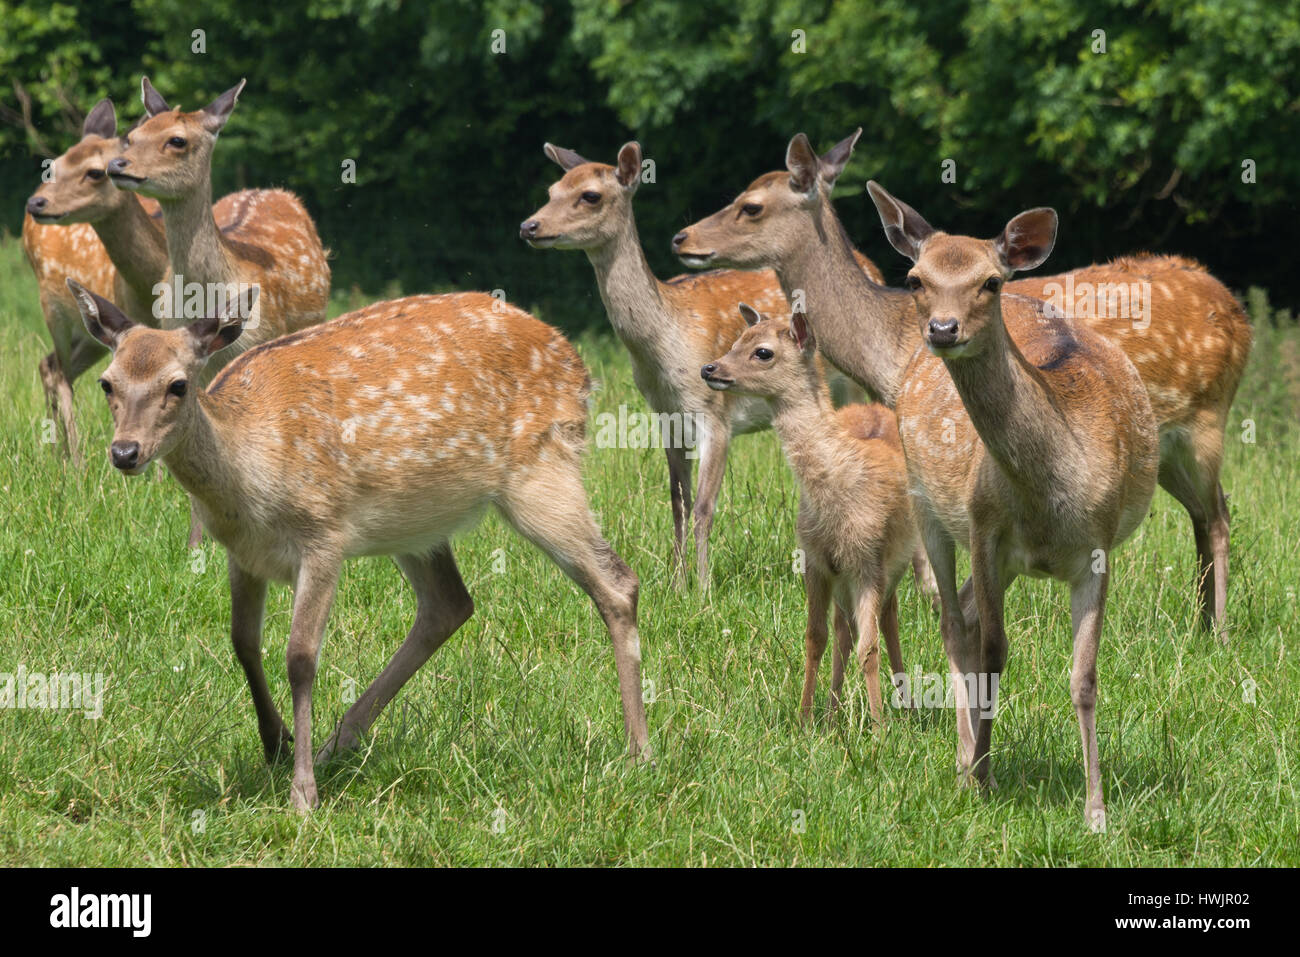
[[1139, 146]]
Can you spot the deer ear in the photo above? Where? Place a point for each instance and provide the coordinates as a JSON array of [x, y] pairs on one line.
[[565, 159], [213, 333], [103, 320], [628, 171], [905, 228], [153, 101], [802, 163], [240, 307], [834, 160], [751, 315], [801, 331], [1028, 239], [101, 120], [218, 111]]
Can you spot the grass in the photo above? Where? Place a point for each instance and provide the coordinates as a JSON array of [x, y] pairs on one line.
[[507, 748]]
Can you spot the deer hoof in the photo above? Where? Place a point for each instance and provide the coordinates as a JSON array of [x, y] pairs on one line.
[[302, 796]]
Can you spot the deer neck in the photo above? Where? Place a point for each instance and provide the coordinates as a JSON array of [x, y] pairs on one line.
[[633, 297], [1009, 404], [136, 246], [866, 330], [803, 418], [194, 243], [200, 460]]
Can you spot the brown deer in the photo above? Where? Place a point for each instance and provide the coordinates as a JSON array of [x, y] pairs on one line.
[[384, 432], [670, 329], [1028, 437], [269, 243], [127, 230], [78, 226], [1190, 347], [855, 521]]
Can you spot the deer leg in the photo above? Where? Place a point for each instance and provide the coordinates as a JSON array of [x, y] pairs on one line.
[[989, 589], [1189, 471], [1087, 608], [963, 653], [442, 605], [247, 606], [196, 527], [713, 465], [898, 669], [313, 594], [58, 398], [840, 655], [817, 589], [679, 485], [924, 575], [866, 615], [549, 508]]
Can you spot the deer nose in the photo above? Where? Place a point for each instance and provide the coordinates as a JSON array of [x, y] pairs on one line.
[[35, 205], [116, 166], [708, 371], [943, 332], [528, 229], [679, 240], [125, 455]]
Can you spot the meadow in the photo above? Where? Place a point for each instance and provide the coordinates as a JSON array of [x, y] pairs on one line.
[[507, 748]]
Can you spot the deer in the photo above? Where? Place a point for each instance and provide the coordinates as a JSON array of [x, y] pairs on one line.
[[76, 225], [270, 241], [386, 431], [670, 329], [855, 522], [127, 229], [1190, 348], [1049, 464]]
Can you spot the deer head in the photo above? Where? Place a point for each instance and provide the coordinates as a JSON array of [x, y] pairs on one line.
[[80, 191], [170, 154], [589, 205], [764, 223], [770, 358], [957, 281], [152, 383]]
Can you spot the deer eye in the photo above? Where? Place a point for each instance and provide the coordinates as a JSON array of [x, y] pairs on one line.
[[752, 209], [591, 198], [178, 388], [106, 386], [993, 284], [177, 141], [914, 283], [94, 174], [763, 354]]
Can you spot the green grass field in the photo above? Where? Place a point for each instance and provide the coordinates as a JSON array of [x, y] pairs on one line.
[[508, 747]]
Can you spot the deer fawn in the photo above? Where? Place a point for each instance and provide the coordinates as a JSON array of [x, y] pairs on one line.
[[1049, 463], [78, 226], [1190, 347], [670, 329], [270, 241], [855, 520], [385, 431]]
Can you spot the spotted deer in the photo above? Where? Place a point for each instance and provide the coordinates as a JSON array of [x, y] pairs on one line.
[[269, 242], [1190, 347], [127, 229], [855, 521], [1049, 462], [78, 226], [670, 329], [384, 432]]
